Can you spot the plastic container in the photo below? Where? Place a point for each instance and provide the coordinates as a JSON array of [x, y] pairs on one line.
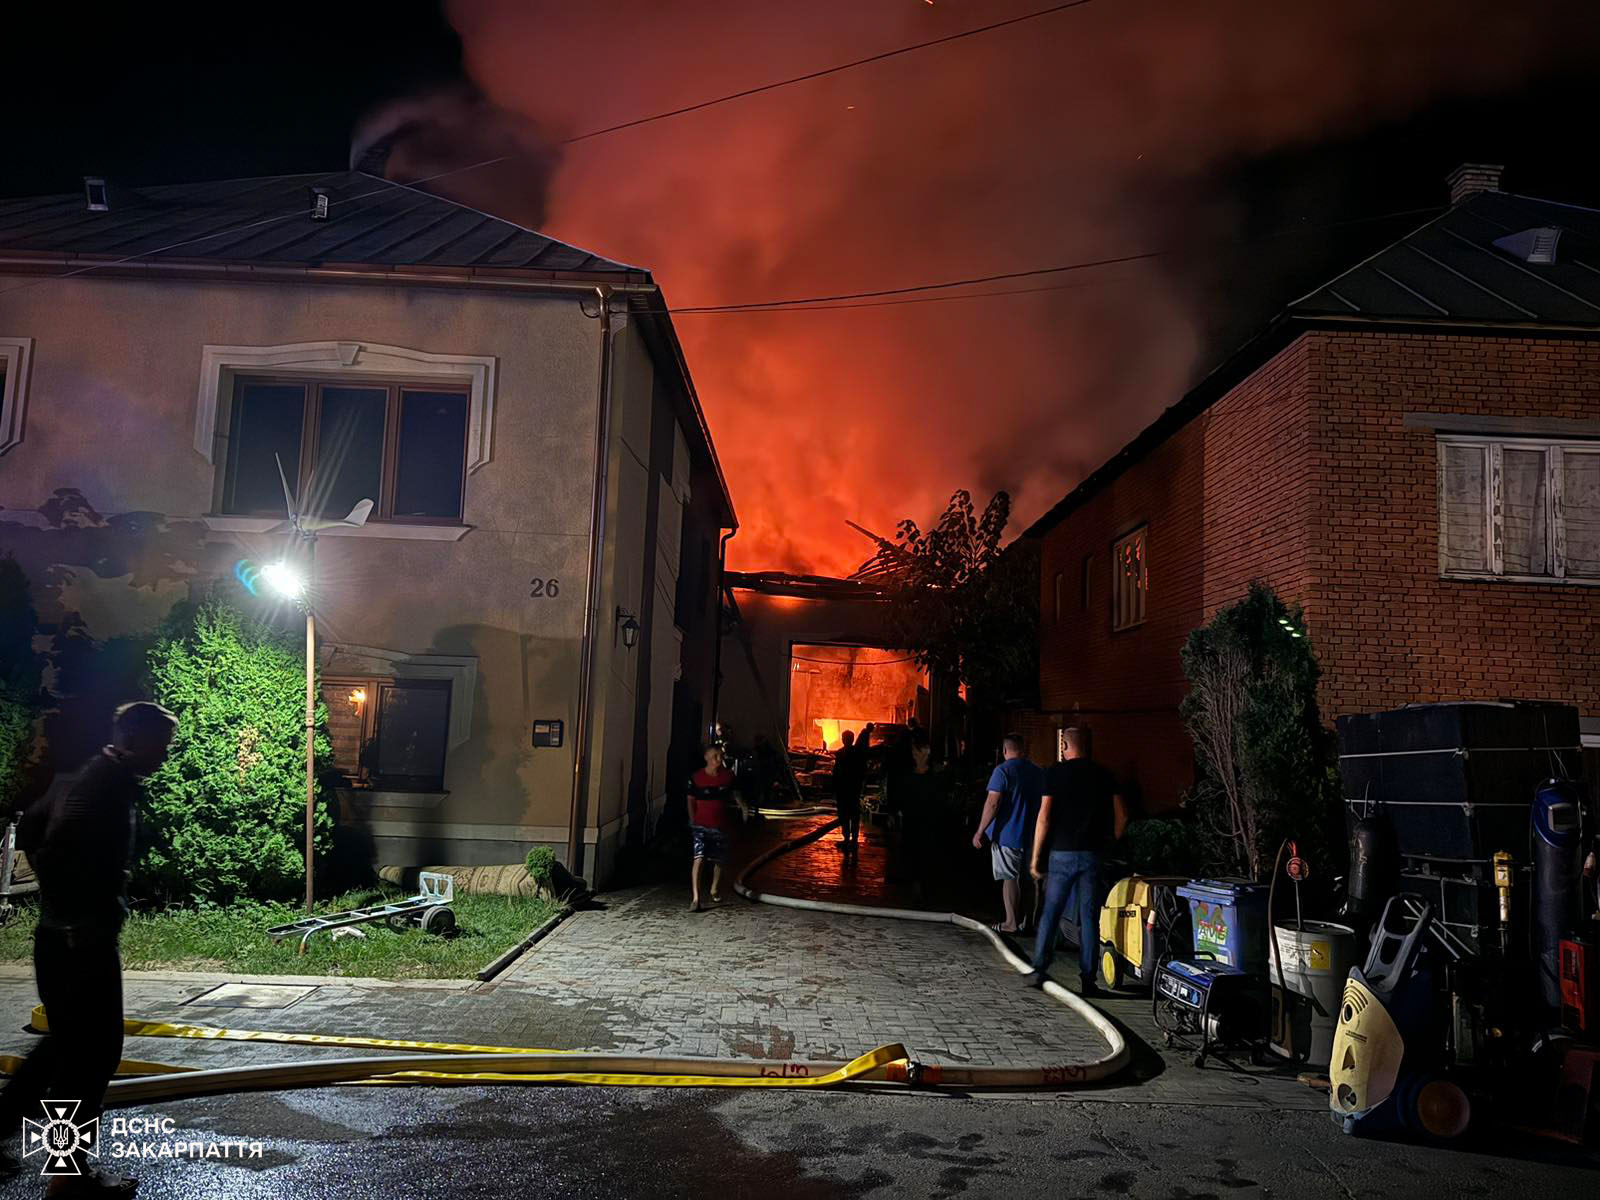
[[1316, 960], [1229, 918]]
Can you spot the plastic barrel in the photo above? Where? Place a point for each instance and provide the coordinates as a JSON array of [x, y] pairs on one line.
[[1316, 960], [1229, 919]]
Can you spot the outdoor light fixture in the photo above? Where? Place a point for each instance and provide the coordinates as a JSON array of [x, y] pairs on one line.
[[358, 697], [629, 625], [285, 579]]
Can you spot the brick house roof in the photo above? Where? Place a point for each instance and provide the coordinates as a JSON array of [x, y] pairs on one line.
[[1494, 261]]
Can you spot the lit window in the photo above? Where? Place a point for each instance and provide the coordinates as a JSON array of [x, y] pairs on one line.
[[1519, 508], [1130, 579], [401, 446], [389, 734]]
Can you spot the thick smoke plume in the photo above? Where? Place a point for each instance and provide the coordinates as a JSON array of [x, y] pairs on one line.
[[1076, 136]]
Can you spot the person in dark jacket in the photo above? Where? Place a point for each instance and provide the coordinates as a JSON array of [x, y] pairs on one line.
[[80, 840], [849, 777]]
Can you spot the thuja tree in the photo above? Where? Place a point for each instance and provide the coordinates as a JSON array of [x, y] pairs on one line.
[[19, 683], [1268, 765], [225, 815]]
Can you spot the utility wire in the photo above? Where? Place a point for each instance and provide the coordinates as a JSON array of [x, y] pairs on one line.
[[581, 137], [825, 71], [875, 299]]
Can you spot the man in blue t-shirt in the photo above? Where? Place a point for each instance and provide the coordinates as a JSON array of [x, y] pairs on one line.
[[1009, 815]]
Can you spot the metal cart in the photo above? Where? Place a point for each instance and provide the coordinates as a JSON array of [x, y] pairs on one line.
[[429, 908]]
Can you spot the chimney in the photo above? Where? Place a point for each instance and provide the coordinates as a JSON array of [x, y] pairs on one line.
[[1471, 178]]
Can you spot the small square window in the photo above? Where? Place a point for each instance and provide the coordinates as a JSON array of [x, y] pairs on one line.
[[390, 734], [1130, 579]]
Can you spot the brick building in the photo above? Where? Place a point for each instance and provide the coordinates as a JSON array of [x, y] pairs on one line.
[[1412, 452]]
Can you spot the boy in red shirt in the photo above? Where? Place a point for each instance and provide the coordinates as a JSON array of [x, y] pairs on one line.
[[710, 792]]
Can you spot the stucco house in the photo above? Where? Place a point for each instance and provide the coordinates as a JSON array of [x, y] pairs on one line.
[[519, 646], [1411, 452]]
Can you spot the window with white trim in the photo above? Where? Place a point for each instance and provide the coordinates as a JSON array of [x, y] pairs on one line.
[[1130, 579], [14, 354], [401, 445], [1519, 508]]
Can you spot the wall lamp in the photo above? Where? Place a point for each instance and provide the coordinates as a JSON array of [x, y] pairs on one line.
[[628, 624]]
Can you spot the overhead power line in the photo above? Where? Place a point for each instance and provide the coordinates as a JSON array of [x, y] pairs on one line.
[[826, 71], [908, 294], [593, 133]]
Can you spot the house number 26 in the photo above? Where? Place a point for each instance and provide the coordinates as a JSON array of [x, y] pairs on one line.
[[545, 588]]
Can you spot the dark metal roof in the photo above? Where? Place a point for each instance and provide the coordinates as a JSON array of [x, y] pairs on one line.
[[1447, 274], [815, 587], [370, 221], [1451, 270]]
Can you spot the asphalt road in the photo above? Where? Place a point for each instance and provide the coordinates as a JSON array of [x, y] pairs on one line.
[[618, 1142]]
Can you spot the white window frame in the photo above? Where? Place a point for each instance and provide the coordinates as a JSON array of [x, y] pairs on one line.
[[16, 355], [221, 365], [1555, 451], [1128, 611]]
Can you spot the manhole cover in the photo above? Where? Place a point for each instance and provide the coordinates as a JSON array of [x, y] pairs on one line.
[[252, 995]]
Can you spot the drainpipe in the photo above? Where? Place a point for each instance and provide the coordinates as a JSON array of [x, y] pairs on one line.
[[584, 731], [716, 651]]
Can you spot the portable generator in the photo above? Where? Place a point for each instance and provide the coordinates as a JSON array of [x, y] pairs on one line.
[[1222, 1005]]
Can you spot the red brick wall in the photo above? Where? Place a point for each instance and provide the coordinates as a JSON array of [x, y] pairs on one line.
[[1389, 629], [1306, 476], [1227, 499]]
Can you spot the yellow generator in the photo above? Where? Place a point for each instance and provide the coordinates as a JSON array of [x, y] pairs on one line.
[[1143, 923]]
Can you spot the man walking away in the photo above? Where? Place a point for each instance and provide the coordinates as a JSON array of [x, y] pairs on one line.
[[849, 777], [80, 839], [1081, 812], [1009, 813]]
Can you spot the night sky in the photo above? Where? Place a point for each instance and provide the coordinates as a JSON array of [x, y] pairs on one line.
[[1123, 126]]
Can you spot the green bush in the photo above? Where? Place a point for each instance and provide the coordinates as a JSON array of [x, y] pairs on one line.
[[225, 815], [1161, 846], [19, 683], [541, 865], [1268, 765]]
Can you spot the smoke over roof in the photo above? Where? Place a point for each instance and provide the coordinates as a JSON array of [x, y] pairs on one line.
[[1090, 133]]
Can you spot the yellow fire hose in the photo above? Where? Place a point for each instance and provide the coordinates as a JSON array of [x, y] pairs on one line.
[[461, 1063]]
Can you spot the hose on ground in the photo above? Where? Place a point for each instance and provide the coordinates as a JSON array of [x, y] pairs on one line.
[[1052, 1075]]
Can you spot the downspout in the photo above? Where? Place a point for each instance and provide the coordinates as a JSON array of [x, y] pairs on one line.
[[716, 651], [584, 731]]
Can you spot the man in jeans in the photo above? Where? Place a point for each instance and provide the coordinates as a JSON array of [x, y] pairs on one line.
[[80, 840], [1009, 813], [1080, 813]]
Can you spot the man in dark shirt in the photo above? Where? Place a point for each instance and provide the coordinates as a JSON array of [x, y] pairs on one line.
[[1079, 815], [80, 840]]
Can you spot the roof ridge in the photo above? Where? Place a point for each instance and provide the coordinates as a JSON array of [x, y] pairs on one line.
[[1554, 203], [1384, 249]]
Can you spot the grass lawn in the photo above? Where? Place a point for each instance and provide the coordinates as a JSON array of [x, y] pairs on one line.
[[235, 939]]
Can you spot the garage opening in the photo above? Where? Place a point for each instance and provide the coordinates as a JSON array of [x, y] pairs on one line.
[[833, 688]]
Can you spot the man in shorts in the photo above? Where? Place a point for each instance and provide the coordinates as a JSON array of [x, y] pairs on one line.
[[712, 792], [1009, 814]]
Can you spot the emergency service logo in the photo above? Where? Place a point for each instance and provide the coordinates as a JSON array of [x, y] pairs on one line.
[[59, 1138]]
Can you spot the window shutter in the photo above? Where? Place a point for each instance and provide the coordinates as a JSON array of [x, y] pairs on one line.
[[1463, 507], [1580, 509]]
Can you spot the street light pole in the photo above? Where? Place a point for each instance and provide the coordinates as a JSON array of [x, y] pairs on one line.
[[311, 725]]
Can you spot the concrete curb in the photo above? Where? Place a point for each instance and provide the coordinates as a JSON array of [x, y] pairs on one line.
[[526, 944]]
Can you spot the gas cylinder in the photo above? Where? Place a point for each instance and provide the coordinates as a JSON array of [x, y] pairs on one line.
[[1557, 868]]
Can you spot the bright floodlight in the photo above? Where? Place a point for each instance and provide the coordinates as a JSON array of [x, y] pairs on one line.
[[284, 579]]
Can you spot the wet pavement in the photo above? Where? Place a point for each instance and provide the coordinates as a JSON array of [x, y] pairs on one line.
[[642, 974], [605, 1143]]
